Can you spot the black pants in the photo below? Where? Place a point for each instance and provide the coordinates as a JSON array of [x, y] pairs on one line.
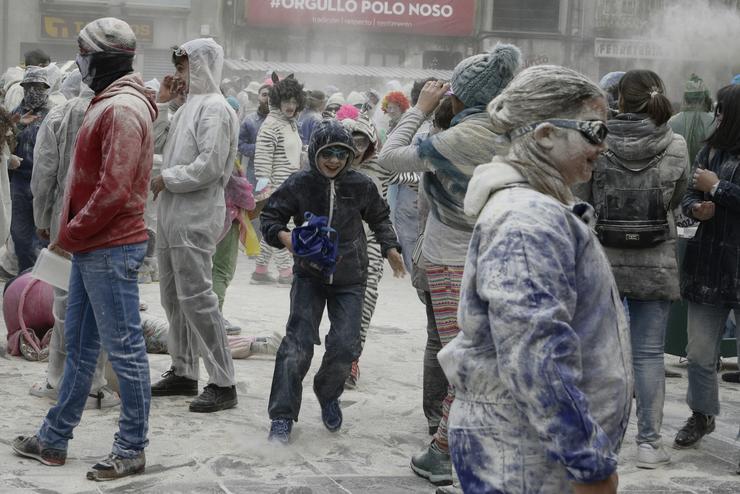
[[308, 297], [435, 382]]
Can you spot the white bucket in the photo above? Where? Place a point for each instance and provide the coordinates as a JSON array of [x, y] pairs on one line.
[[53, 269]]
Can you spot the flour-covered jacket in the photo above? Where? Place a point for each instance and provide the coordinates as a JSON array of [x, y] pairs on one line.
[[198, 156], [649, 273], [108, 180], [543, 357], [277, 153]]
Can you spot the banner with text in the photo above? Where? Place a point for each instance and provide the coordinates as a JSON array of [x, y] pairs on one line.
[[430, 17]]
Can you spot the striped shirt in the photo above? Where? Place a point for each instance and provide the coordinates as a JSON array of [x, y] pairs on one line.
[[277, 153]]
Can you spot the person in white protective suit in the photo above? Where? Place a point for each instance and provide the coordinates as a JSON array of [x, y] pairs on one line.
[[198, 158], [52, 155]]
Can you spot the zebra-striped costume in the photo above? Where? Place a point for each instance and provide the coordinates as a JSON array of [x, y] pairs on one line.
[[382, 179], [277, 156]]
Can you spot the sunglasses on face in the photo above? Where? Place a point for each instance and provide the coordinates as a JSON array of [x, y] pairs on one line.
[[335, 152], [594, 131]]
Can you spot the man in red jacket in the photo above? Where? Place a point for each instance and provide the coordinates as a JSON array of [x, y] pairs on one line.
[[102, 225]]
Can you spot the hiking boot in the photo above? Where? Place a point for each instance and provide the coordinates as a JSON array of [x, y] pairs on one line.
[[285, 281], [354, 376], [174, 385], [698, 426], [231, 329], [114, 467], [214, 398], [104, 398], [31, 447], [331, 415], [433, 465], [280, 431], [731, 377], [651, 456], [44, 390], [262, 279]]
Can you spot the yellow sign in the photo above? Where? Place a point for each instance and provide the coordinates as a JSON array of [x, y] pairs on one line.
[[68, 27]]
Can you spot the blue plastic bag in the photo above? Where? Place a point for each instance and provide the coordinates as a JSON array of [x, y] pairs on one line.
[[317, 242]]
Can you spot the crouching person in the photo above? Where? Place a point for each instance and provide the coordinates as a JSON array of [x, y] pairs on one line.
[[102, 224], [336, 199]]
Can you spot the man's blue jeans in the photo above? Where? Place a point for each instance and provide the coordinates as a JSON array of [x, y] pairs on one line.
[[706, 325], [103, 309], [648, 321]]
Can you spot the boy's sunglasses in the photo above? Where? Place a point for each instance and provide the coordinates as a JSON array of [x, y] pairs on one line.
[[595, 131], [334, 152]]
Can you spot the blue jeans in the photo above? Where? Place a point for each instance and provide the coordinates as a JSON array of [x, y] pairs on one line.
[[648, 321], [103, 309], [308, 297], [706, 325], [22, 226]]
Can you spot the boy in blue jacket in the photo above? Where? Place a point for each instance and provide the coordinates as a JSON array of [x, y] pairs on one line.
[[344, 198]]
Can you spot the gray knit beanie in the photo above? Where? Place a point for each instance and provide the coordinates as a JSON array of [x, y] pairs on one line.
[[478, 79], [107, 34]]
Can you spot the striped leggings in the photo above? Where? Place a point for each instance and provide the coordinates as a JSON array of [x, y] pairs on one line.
[[444, 285], [374, 274], [283, 257]]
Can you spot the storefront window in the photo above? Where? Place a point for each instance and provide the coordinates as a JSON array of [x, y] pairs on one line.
[[526, 15]]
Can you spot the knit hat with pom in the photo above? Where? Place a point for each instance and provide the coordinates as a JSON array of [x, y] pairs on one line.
[[480, 78]]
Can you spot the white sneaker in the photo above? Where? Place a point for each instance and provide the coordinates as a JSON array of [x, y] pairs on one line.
[[106, 398], [44, 390], [651, 456]]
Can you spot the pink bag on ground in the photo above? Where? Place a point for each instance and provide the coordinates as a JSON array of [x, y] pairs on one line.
[[28, 312]]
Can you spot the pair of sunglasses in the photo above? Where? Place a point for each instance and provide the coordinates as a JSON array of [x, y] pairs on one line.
[[594, 131], [334, 152]]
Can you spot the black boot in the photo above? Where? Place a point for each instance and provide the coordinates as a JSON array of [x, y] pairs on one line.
[[214, 398], [698, 426], [172, 385]]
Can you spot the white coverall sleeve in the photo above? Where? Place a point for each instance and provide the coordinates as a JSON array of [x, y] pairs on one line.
[[215, 138], [46, 161]]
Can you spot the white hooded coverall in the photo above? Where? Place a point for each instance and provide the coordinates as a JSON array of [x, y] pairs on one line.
[[198, 159]]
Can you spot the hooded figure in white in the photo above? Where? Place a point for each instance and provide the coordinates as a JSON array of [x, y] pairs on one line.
[[198, 159]]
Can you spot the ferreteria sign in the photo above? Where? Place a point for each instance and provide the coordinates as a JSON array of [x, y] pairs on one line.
[[432, 17]]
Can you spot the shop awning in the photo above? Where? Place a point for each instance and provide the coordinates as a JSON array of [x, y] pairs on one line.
[[337, 70]]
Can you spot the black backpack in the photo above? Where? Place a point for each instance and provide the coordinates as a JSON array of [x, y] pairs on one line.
[[630, 207]]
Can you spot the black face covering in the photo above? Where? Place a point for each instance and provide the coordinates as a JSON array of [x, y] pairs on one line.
[[104, 68]]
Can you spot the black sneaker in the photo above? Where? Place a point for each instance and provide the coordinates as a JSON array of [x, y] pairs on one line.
[[173, 385], [331, 415], [698, 426], [280, 431], [31, 447], [214, 398], [114, 467], [731, 377]]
